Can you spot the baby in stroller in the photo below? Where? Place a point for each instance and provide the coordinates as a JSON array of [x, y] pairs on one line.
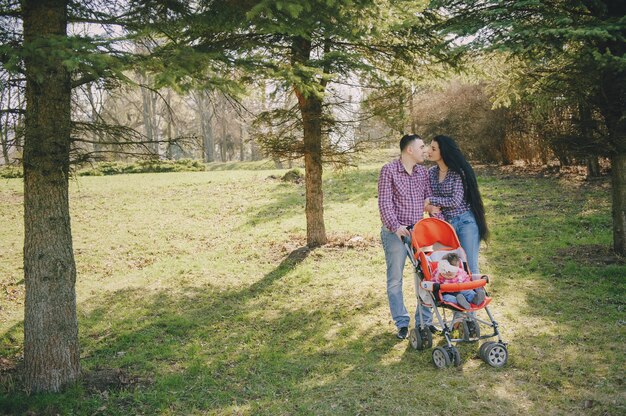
[[451, 271]]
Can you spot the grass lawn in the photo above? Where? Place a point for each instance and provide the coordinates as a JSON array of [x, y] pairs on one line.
[[195, 297]]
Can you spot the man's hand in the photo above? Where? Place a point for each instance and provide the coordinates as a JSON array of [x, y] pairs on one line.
[[431, 209], [402, 232]]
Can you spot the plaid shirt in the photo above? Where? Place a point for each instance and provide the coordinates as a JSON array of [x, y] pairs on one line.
[[448, 194], [401, 196]]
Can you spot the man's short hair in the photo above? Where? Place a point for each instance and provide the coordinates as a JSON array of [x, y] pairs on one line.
[[407, 139]]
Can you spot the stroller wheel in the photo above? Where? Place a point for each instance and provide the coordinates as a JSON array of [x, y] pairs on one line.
[[496, 354], [471, 329], [420, 339], [415, 339], [427, 337], [455, 355], [481, 351], [441, 358]]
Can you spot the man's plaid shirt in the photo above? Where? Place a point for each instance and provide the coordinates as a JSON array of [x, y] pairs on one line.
[[401, 196]]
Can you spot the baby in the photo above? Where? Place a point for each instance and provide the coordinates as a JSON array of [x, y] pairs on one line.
[[450, 271]]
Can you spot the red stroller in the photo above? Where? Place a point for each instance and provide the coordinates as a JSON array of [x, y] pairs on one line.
[[431, 239]]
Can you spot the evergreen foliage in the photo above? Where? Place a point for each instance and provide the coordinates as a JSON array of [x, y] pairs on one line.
[[576, 54]]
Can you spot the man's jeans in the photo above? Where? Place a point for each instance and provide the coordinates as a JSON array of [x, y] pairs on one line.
[[395, 256]]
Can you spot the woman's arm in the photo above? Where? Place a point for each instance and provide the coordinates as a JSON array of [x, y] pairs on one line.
[[458, 194]]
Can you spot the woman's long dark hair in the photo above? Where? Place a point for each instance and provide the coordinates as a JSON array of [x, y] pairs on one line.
[[454, 159]]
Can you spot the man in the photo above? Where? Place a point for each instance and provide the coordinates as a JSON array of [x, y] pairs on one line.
[[403, 186]]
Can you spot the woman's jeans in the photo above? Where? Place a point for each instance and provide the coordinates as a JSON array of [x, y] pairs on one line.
[[395, 256], [467, 230]]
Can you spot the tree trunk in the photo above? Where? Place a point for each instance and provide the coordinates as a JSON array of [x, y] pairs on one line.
[[169, 146], [593, 167], [207, 140], [412, 110], [255, 152], [618, 182], [96, 136], [4, 126], [51, 352], [311, 109], [401, 112], [208, 151], [242, 148], [222, 141], [149, 117], [19, 123], [5, 144]]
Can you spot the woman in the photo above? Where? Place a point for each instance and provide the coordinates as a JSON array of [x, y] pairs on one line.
[[455, 191]]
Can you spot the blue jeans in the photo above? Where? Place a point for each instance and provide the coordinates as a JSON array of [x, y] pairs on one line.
[[467, 294], [467, 230], [395, 256]]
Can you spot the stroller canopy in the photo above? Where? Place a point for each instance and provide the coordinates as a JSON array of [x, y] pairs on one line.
[[434, 232]]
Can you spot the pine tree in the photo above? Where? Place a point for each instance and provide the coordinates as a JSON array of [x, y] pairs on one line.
[[576, 51], [302, 46], [36, 44]]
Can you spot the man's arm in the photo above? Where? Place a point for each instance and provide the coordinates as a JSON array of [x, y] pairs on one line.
[[429, 207], [385, 202]]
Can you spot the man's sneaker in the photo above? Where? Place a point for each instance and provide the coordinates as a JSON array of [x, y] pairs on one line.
[[403, 332], [480, 296], [462, 301]]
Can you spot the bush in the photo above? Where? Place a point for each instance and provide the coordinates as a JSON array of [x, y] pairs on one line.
[[293, 175], [143, 166], [10, 172]]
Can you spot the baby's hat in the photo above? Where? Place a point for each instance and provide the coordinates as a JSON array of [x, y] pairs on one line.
[[446, 267]]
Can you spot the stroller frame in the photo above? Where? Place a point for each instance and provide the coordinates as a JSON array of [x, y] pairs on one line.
[[493, 353]]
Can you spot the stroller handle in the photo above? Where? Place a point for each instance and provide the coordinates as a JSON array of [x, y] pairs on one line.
[[457, 287]]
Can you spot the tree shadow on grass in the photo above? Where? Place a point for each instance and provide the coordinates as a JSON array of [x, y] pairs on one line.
[[261, 349], [567, 336]]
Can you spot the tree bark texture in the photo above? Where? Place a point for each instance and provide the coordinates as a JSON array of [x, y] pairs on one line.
[[618, 182], [51, 351], [311, 110]]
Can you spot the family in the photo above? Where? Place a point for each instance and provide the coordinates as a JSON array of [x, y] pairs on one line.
[[406, 190]]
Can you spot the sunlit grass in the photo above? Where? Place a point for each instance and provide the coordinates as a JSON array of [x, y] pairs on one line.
[[186, 284]]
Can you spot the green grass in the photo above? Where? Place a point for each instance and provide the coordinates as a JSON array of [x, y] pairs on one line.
[[186, 284]]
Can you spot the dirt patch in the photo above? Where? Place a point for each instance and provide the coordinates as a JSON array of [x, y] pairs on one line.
[[105, 379], [349, 241], [297, 244], [591, 255]]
